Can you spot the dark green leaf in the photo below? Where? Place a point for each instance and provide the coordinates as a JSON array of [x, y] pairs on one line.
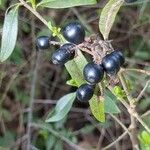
[[65, 3], [58, 145], [108, 16], [50, 142], [75, 68], [7, 139], [110, 103], [9, 36], [63, 106]]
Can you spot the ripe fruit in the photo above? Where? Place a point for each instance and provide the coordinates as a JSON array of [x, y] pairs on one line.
[[110, 65], [42, 42], [119, 56], [130, 1], [93, 73], [85, 92], [63, 54], [74, 32]]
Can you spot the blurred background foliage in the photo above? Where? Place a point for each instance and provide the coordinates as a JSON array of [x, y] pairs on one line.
[[131, 32]]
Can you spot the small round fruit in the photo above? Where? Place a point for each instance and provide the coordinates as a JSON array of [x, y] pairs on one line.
[[119, 56], [74, 32], [42, 42], [63, 54], [110, 65], [93, 73], [85, 92]]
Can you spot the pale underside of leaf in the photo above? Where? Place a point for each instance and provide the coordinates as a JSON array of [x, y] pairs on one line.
[[9, 36], [65, 3], [62, 108], [108, 16]]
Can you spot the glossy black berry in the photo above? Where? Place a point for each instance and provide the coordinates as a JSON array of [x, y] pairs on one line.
[[74, 32], [118, 55], [63, 54], [93, 73], [110, 65], [85, 92], [42, 42], [130, 1]]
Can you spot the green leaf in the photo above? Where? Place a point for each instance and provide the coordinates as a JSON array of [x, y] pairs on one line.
[[7, 139], [50, 142], [58, 145], [97, 108], [110, 102], [108, 16], [65, 3], [72, 83], [118, 92], [63, 106], [144, 138], [75, 68], [9, 37], [33, 2]]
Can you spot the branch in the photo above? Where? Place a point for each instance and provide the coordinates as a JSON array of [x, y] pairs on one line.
[[142, 122], [132, 107], [34, 12], [147, 72], [58, 135], [121, 124], [142, 92], [33, 85], [117, 140]]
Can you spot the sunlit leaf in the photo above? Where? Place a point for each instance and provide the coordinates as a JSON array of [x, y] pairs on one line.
[[65, 3], [97, 108], [108, 16]]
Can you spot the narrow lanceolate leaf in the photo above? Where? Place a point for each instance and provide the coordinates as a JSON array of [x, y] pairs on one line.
[[65, 3], [9, 36], [62, 108], [108, 16], [97, 108]]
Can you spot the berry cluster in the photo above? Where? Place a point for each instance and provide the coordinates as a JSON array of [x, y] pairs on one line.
[[73, 33], [93, 72]]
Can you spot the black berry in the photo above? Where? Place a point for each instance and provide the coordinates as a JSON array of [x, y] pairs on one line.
[[85, 92], [93, 73], [110, 65], [74, 32], [42, 42], [63, 54], [118, 55]]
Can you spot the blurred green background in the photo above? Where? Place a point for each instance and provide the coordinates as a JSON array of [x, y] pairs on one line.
[[131, 32]]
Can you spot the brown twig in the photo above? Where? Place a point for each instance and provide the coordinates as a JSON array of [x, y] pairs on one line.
[[132, 106], [58, 135], [117, 140], [142, 92]]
